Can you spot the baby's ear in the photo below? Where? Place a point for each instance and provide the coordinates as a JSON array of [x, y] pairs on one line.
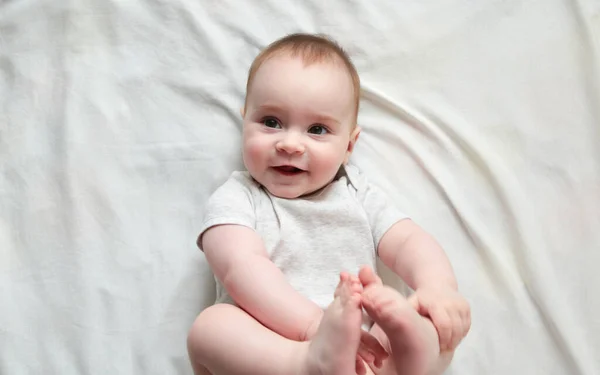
[[353, 138]]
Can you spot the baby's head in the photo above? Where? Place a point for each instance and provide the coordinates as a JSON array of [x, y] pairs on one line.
[[300, 114]]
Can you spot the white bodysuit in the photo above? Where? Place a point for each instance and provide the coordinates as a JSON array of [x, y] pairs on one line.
[[311, 238]]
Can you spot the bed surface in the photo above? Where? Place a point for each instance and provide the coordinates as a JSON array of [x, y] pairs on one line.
[[119, 118]]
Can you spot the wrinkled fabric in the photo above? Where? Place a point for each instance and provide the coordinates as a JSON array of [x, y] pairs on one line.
[[118, 119]]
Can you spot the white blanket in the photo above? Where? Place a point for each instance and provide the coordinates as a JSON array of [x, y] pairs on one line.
[[119, 118]]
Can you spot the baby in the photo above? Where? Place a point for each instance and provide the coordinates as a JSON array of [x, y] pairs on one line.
[[293, 241]]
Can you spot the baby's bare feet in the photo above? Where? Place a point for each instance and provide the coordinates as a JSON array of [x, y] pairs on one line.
[[369, 349], [333, 349], [413, 339], [348, 281], [368, 278]]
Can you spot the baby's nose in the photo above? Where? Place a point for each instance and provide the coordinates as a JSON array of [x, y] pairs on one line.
[[291, 143]]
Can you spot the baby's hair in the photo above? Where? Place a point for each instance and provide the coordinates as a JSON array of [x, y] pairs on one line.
[[312, 49]]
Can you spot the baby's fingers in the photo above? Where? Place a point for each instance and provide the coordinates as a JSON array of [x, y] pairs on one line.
[[466, 320], [361, 369], [366, 355], [372, 345], [461, 326], [443, 324], [458, 332], [465, 325]]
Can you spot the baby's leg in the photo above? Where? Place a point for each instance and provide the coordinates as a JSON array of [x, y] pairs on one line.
[[226, 340], [413, 339]]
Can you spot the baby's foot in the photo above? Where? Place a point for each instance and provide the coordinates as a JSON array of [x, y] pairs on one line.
[[413, 339], [333, 349], [347, 280], [370, 348], [368, 278]]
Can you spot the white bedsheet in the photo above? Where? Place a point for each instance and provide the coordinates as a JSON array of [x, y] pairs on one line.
[[119, 118]]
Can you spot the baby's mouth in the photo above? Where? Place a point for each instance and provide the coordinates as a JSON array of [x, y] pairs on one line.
[[288, 170]]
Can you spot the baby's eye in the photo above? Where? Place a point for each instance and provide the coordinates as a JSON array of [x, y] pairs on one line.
[[317, 129], [270, 122]]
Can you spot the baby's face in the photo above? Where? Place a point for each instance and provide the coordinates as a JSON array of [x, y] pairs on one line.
[[298, 125]]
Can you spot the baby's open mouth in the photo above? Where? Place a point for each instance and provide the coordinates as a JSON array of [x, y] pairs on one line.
[[288, 170]]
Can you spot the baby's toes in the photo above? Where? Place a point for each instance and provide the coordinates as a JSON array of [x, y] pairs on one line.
[[355, 284], [368, 277], [344, 277]]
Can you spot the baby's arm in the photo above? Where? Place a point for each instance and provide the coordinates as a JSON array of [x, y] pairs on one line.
[[419, 260], [415, 256], [238, 258]]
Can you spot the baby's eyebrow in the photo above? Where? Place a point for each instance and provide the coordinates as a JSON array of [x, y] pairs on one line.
[[270, 108], [326, 119]]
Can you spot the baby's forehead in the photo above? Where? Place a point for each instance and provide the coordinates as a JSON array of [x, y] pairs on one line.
[[308, 59], [278, 78], [267, 69]]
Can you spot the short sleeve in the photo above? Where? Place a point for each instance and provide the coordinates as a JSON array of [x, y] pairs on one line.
[[381, 213], [231, 203]]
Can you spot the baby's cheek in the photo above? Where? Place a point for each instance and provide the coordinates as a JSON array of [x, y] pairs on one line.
[[331, 161], [324, 167], [253, 152]]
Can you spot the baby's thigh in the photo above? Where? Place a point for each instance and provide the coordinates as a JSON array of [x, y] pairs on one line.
[[216, 326]]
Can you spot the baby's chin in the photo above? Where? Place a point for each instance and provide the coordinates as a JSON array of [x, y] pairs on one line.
[[303, 186], [286, 192], [290, 191]]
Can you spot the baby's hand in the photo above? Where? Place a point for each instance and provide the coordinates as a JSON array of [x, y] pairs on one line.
[[371, 350], [448, 310]]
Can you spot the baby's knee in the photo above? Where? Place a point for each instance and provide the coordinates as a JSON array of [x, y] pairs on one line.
[[205, 330]]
